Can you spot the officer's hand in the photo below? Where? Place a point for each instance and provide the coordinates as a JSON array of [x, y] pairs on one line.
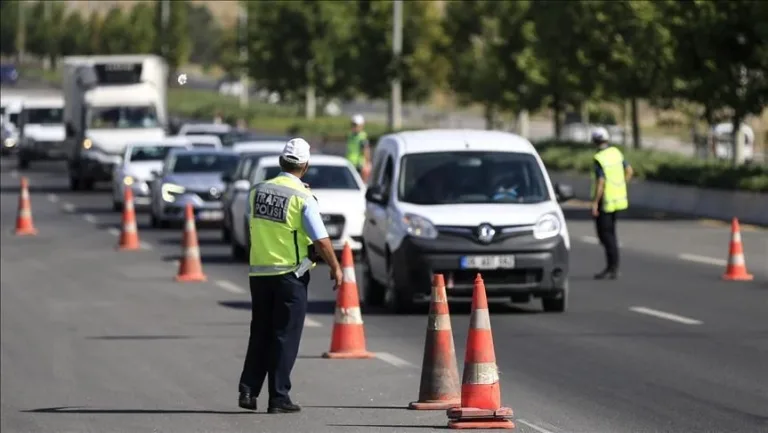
[[595, 210], [337, 276]]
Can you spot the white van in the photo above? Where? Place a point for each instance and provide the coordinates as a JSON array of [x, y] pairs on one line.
[[459, 203]]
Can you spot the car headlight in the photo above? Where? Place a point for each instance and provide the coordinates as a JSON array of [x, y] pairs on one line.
[[547, 226], [168, 191], [419, 226], [128, 180], [9, 142], [87, 144]]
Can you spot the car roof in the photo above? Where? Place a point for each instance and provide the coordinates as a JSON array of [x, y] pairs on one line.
[[456, 140], [174, 141], [203, 138], [333, 160], [43, 103], [203, 151], [248, 146]]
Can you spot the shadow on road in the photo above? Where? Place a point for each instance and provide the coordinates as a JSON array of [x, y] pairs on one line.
[[389, 426], [87, 410]]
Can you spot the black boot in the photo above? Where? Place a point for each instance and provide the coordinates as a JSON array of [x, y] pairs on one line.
[[246, 400], [283, 407], [609, 274]]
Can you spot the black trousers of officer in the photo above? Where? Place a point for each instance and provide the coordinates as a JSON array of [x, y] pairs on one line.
[[605, 224], [279, 305]]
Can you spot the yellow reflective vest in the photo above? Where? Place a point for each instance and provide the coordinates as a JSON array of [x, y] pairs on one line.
[[278, 240], [615, 191], [355, 142]]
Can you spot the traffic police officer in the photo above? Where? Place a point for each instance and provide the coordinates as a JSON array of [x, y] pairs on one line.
[[609, 197], [286, 230], [358, 148]]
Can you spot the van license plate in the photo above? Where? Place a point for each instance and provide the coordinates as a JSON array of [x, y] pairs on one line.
[[211, 215], [488, 262], [333, 230]]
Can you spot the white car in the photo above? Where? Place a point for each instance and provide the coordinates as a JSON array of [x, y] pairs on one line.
[[336, 185], [221, 130], [202, 141], [139, 161], [258, 146], [459, 202]]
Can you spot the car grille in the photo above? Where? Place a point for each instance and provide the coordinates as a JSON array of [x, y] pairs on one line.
[[207, 196], [334, 224]]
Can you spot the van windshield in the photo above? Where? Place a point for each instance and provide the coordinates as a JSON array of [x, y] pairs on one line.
[[122, 117], [45, 116], [471, 177]]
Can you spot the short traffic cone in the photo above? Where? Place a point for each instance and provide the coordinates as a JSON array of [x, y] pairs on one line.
[[480, 390], [440, 388], [24, 224], [190, 265], [129, 235], [737, 267], [348, 338]]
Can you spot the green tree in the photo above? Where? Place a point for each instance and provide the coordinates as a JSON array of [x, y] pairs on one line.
[[204, 33], [44, 24], [296, 47], [636, 54], [93, 31], [558, 63], [142, 28], [9, 22], [172, 41], [369, 64], [74, 36], [114, 32], [721, 57]]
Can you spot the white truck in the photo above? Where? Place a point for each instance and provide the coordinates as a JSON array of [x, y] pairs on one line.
[[110, 101]]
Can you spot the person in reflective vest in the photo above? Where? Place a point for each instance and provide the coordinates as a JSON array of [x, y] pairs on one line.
[[358, 147], [609, 197], [286, 236]]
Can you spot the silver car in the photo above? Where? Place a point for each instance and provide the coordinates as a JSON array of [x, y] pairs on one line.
[[190, 176]]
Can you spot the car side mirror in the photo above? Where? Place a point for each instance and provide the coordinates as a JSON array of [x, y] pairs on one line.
[[156, 173], [375, 194], [242, 185], [563, 192]]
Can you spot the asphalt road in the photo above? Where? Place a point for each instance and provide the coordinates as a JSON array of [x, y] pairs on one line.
[[94, 340]]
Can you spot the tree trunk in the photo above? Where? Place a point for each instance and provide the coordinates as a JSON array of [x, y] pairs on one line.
[[310, 104], [635, 124], [626, 126], [737, 151], [556, 113], [523, 124], [490, 116]]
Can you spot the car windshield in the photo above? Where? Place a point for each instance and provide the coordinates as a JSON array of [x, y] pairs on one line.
[[322, 177], [226, 138], [14, 118], [202, 163], [122, 117], [45, 116], [471, 177], [149, 153]]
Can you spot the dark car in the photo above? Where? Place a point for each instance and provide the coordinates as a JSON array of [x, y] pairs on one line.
[[9, 74]]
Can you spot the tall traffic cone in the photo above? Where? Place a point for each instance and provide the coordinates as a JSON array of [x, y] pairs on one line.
[[348, 338], [480, 390], [129, 235], [737, 267], [24, 224], [439, 389], [190, 265]]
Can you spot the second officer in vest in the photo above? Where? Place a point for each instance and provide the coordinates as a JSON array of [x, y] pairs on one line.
[[286, 230], [609, 197], [358, 147]]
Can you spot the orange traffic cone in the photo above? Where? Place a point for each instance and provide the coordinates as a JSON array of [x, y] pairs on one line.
[[480, 390], [24, 224], [129, 235], [348, 338], [190, 265], [439, 389], [737, 267]]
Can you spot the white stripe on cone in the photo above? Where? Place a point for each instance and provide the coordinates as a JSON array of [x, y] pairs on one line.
[[348, 316]]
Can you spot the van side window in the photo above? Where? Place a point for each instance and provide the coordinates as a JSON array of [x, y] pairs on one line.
[[376, 172], [386, 179]]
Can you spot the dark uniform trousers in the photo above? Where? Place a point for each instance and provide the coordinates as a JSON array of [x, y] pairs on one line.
[[605, 225], [279, 305]]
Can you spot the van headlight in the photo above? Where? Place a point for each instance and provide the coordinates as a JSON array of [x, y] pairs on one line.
[[169, 190], [419, 226], [9, 142], [547, 226], [87, 144], [128, 180]]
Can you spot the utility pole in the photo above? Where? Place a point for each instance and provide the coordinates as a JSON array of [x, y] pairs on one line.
[[243, 11], [395, 103], [165, 7], [21, 33]]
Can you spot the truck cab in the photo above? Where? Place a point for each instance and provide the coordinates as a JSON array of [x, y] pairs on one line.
[[110, 101], [41, 131]]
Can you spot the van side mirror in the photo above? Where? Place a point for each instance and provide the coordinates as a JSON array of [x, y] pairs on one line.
[[563, 192], [242, 185], [226, 177], [375, 194], [156, 173]]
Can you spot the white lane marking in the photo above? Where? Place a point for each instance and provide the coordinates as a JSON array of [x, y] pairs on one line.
[[702, 259], [14, 174], [230, 286], [538, 428], [90, 218], [53, 198], [145, 245], [393, 360], [312, 323], [113, 231], [667, 316], [68, 207]]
